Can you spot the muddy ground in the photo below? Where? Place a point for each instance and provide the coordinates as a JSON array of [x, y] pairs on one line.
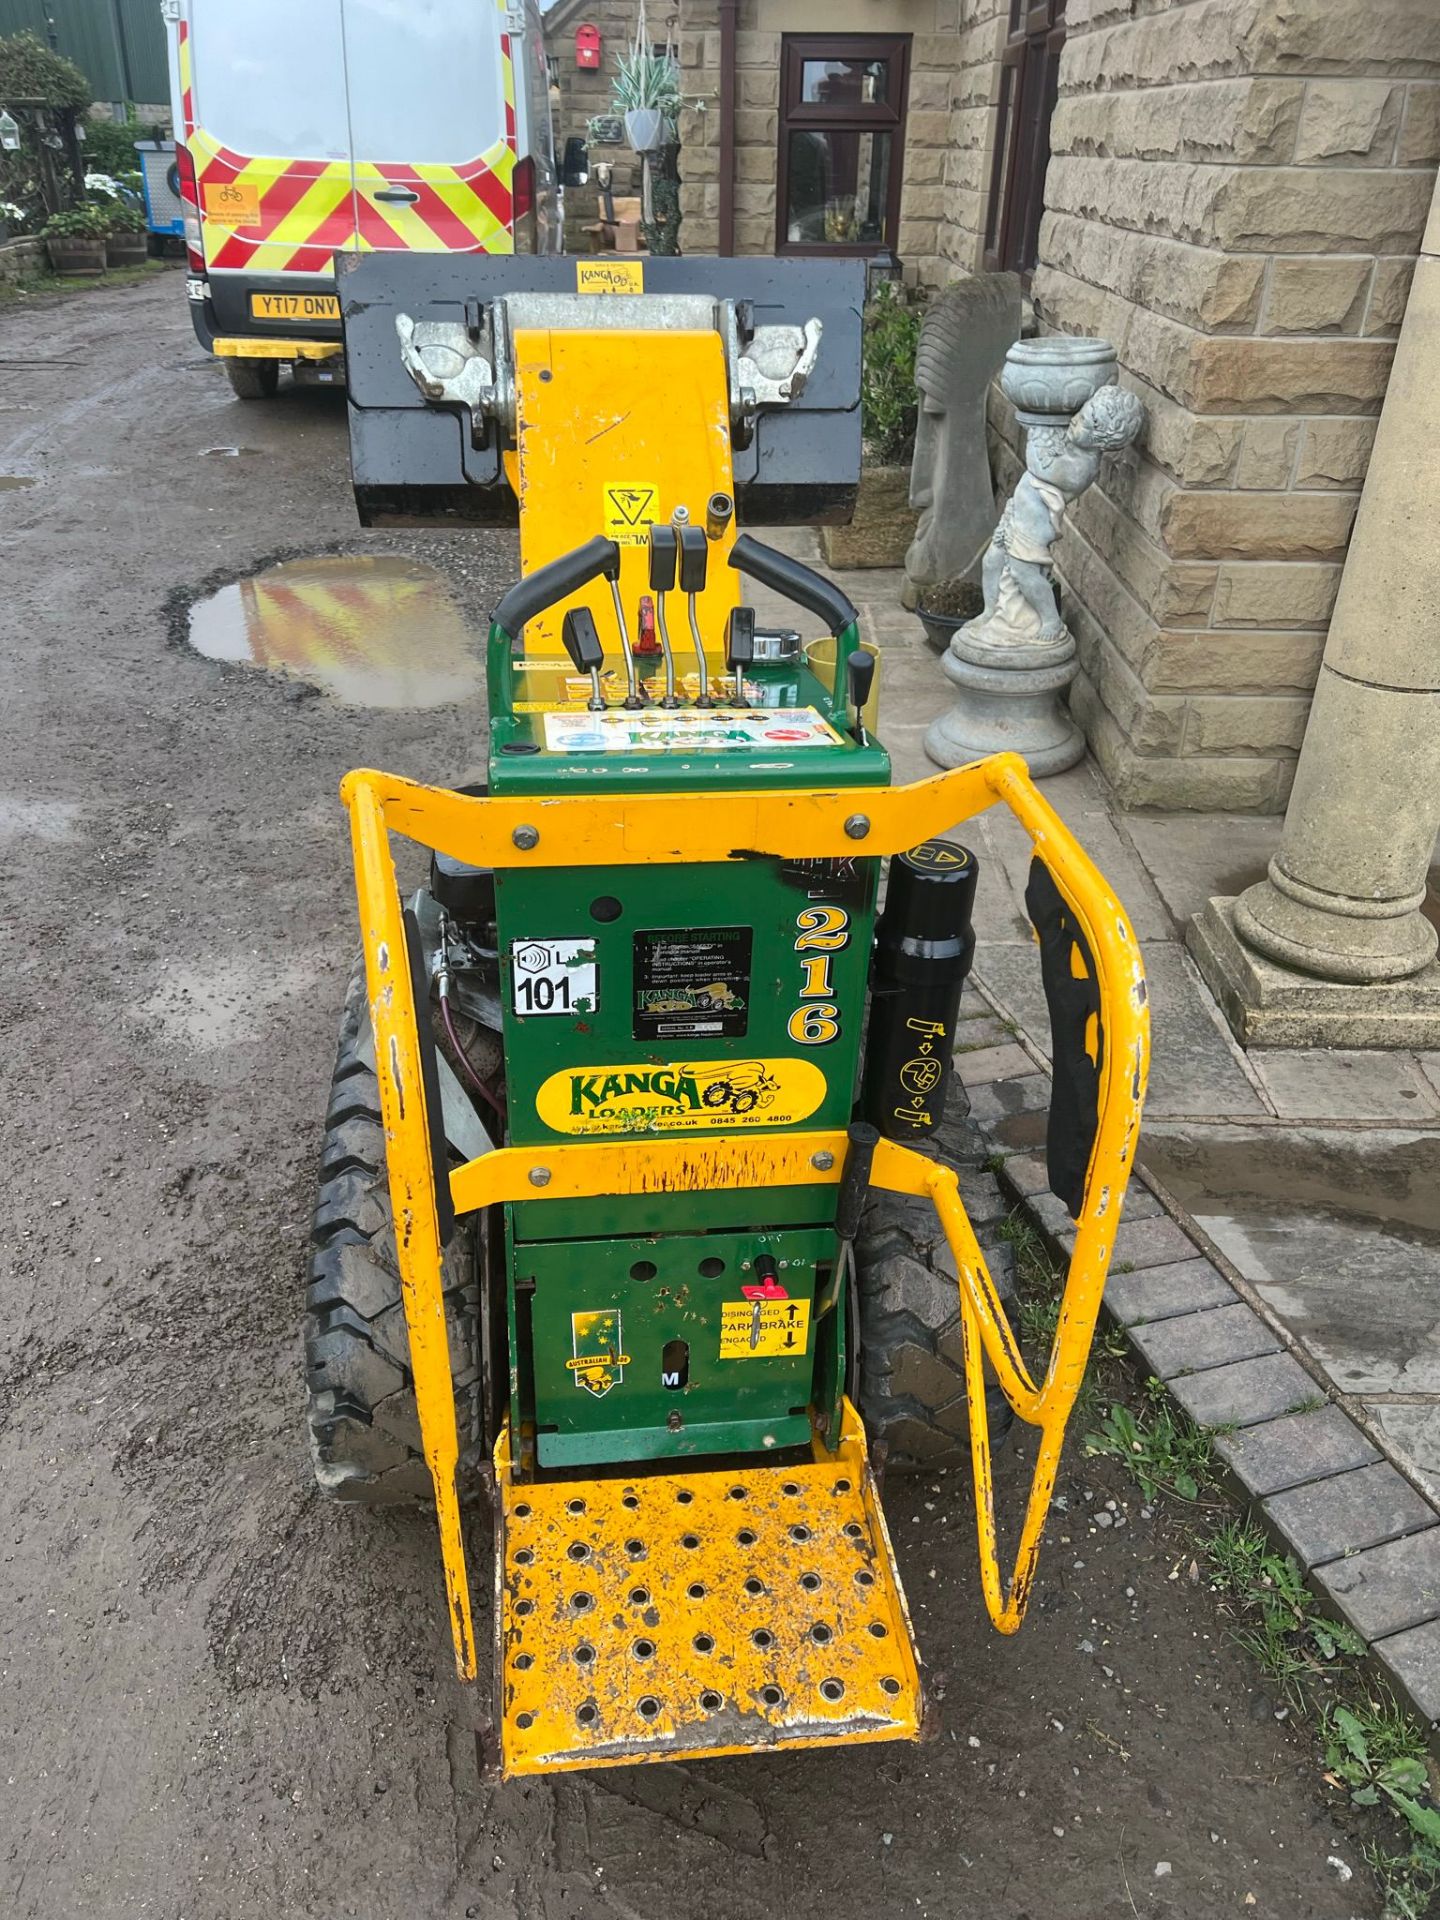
[[218, 1696]]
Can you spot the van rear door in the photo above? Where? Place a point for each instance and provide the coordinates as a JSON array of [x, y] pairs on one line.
[[268, 130], [432, 124]]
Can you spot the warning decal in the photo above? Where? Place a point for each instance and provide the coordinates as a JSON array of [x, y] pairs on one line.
[[629, 509], [764, 1329], [232, 204]]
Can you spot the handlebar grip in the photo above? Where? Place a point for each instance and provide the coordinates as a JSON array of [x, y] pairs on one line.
[[855, 1179], [553, 582], [797, 582]]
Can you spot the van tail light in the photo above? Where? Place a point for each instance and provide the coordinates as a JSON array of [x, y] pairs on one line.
[[190, 200], [522, 188]]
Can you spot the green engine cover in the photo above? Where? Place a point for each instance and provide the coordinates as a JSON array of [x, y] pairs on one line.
[[663, 1001]]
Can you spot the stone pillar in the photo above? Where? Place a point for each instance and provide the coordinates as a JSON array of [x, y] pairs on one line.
[[1332, 948]]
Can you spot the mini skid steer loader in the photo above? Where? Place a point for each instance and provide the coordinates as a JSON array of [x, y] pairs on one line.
[[615, 1084]]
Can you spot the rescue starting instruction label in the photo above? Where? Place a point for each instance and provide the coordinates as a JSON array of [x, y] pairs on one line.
[[666, 730], [691, 980], [763, 1329], [553, 976]]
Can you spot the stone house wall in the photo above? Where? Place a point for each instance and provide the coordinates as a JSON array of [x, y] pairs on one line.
[[934, 29], [1235, 198], [585, 92]]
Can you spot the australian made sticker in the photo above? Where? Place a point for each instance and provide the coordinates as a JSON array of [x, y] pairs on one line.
[[691, 981], [596, 1342], [763, 1329], [682, 1097]]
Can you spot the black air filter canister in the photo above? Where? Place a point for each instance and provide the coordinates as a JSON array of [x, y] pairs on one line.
[[924, 945]]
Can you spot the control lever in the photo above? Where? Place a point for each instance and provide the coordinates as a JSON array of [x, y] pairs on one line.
[[860, 675], [740, 647], [694, 559], [582, 643], [664, 549], [632, 697]]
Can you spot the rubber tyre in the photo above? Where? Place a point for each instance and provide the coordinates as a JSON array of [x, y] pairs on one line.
[[912, 1359], [364, 1430], [253, 379]]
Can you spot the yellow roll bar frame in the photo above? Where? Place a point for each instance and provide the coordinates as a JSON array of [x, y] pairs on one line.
[[627, 830]]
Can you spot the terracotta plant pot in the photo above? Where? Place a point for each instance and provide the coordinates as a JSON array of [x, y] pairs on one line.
[[126, 250], [74, 253]]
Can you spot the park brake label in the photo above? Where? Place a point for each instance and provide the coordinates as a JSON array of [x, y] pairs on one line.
[[763, 1329]]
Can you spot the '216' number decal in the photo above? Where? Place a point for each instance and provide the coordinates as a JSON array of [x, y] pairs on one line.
[[821, 932]]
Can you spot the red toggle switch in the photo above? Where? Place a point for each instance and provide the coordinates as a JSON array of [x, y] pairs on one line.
[[647, 641]]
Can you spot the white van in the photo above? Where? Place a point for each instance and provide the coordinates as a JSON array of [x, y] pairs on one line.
[[415, 124]]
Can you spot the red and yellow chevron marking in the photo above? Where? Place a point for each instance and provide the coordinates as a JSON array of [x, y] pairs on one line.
[[187, 88], [297, 213]]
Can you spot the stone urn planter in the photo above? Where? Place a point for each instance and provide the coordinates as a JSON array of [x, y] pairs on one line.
[[882, 525], [1013, 661], [126, 250], [73, 254]]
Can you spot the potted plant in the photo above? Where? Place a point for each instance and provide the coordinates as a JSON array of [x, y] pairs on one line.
[[944, 607], [126, 244], [883, 523], [647, 93], [75, 240]]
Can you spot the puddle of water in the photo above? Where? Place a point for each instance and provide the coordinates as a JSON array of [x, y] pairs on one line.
[[12, 482], [375, 630]]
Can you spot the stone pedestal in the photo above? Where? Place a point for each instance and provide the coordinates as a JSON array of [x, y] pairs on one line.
[[1009, 703], [1269, 1005]]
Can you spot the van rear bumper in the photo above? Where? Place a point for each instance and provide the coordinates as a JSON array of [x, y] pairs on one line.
[[223, 309]]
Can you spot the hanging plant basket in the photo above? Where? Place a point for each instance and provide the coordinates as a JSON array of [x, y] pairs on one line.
[[645, 129]]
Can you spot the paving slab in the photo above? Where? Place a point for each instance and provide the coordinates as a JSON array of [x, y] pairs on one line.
[[1189, 857], [999, 1099], [1156, 1242], [1413, 1430], [1336, 1084], [1349, 1511], [1194, 1067], [1294, 1449], [1413, 1660], [1246, 1393], [1008, 1061], [1197, 1341], [1389, 1588], [1161, 1293]]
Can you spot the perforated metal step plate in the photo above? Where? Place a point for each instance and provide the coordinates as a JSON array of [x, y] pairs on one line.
[[686, 1614]]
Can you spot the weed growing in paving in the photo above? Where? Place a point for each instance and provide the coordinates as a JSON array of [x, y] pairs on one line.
[[1164, 1449], [1378, 1754], [1292, 1643]]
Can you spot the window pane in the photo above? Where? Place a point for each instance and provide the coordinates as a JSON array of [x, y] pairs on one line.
[[838, 188], [844, 83]]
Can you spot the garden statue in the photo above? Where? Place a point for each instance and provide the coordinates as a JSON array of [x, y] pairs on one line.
[[1012, 661], [1060, 463], [962, 344]]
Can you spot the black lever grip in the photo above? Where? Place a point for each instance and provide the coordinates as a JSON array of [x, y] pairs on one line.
[[855, 1180], [799, 583], [582, 640], [694, 559], [664, 549], [740, 637], [556, 581], [860, 671]]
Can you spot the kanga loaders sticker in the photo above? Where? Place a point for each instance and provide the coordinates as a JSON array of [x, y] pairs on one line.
[[683, 1097]]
